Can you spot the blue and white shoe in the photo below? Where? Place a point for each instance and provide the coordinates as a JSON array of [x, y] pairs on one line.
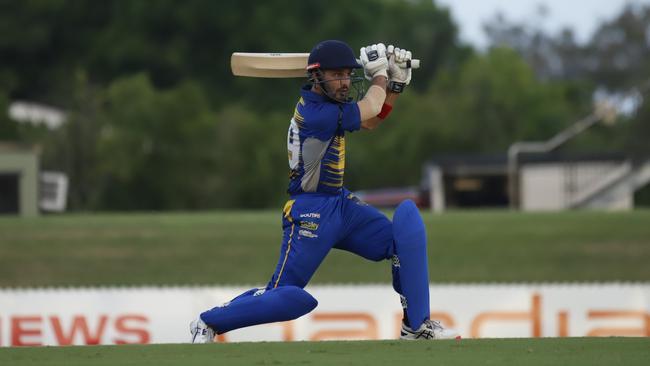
[[201, 332], [430, 329]]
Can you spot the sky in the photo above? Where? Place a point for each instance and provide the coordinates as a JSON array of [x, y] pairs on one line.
[[583, 16]]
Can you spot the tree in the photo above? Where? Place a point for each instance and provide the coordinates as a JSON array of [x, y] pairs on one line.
[[492, 101], [615, 56], [43, 43], [158, 122], [612, 64], [73, 147], [156, 150], [8, 129]]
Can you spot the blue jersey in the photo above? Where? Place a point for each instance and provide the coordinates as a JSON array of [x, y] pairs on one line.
[[316, 143]]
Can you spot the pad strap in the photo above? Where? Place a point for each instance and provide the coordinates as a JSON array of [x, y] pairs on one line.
[[396, 87]]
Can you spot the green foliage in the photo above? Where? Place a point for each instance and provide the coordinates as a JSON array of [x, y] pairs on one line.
[[156, 121], [135, 147], [496, 99], [73, 147], [173, 41], [156, 146], [252, 166], [8, 129], [493, 100]]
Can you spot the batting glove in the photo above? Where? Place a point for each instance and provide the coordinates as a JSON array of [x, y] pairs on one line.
[[374, 61], [399, 74]]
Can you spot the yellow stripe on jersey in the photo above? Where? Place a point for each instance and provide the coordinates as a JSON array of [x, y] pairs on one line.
[[287, 210], [297, 116], [336, 172], [338, 165], [339, 146], [286, 254]]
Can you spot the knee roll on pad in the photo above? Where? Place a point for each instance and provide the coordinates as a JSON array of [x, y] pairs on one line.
[[408, 229]]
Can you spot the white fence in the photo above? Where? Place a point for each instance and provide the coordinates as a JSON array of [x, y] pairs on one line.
[[61, 316]]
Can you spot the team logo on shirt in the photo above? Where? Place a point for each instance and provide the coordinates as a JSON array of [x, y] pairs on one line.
[[310, 215], [307, 234], [309, 225]]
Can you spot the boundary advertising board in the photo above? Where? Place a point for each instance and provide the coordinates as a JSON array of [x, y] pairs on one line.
[[114, 315]]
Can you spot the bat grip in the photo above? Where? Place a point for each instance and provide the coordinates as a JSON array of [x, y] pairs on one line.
[[410, 64]]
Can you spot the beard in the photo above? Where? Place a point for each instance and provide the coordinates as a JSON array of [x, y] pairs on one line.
[[342, 93]]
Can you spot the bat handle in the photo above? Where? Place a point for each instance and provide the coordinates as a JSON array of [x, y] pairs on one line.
[[410, 64]]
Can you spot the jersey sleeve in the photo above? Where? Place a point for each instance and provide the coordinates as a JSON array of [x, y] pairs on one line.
[[323, 121], [351, 117]]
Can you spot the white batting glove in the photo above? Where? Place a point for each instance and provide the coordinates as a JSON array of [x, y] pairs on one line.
[[399, 74], [374, 61]]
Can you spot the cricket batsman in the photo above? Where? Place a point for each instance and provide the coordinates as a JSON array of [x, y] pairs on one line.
[[322, 214]]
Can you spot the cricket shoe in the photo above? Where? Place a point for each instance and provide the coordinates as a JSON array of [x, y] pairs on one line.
[[201, 332], [430, 329]]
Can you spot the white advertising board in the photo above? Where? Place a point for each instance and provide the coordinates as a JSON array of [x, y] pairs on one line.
[[62, 316]]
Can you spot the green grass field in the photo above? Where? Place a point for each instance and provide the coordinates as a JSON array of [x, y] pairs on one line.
[[243, 247], [529, 352]]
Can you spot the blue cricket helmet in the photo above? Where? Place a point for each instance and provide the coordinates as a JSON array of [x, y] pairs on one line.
[[332, 54]]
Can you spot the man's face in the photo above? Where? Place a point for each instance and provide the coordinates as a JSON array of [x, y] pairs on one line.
[[338, 82]]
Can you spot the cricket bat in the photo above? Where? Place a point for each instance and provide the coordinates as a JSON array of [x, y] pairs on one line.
[[277, 65]]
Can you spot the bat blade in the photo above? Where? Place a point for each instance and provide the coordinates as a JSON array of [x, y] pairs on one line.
[[269, 65], [278, 65]]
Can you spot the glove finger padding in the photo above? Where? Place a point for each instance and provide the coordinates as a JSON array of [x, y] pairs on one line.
[[363, 56], [401, 55], [374, 61], [376, 51], [408, 56]]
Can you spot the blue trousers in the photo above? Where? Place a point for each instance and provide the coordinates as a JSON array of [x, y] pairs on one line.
[[313, 224]]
